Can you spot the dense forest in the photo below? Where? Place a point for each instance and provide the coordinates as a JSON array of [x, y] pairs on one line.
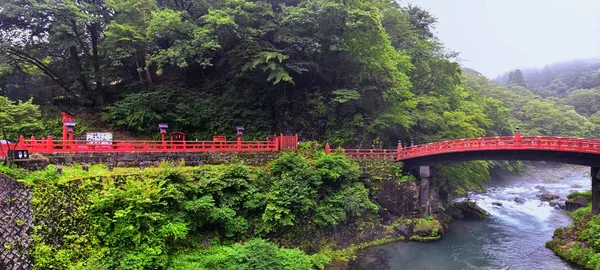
[[572, 87], [354, 73], [365, 73]]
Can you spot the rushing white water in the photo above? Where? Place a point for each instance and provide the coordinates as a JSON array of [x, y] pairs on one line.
[[513, 237]]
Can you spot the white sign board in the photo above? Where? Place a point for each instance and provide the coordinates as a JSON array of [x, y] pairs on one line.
[[99, 137]]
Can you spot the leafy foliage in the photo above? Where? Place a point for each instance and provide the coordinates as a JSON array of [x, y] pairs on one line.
[[254, 254], [162, 217], [18, 118]]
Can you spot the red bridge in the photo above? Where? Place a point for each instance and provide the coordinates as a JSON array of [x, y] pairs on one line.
[[568, 150], [577, 151]]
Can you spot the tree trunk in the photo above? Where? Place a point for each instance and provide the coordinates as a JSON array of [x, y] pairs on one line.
[[95, 58], [137, 65], [147, 66], [77, 66]]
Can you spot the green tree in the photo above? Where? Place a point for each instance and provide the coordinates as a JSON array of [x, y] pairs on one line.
[[17, 118], [516, 77], [585, 101], [127, 32]]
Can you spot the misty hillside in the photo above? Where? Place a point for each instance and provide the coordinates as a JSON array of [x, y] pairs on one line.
[[576, 83], [558, 79], [535, 114]]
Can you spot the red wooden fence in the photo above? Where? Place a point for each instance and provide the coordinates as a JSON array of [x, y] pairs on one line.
[[48, 145]]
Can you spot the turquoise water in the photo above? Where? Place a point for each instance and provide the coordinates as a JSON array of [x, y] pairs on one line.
[[513, 237]]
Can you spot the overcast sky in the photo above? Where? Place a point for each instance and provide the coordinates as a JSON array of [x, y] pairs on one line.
[[495, 36]]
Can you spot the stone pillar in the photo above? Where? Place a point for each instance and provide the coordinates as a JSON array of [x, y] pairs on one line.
[[425, 176], [595, 190]]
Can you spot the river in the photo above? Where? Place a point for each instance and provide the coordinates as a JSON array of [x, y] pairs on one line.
[[513, 237]]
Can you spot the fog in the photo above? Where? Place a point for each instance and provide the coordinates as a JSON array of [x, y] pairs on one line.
[[495, 36]]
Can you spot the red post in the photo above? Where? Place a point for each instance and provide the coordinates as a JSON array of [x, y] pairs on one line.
[[21, 140], [49, 145], [398, 150], [517, 137], [276, 144], [66, 117], [239, 142], [280, 140], [327, 148]]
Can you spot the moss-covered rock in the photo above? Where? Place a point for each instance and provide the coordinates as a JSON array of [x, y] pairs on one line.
[[427, 227], [466, 210], [579, 242]]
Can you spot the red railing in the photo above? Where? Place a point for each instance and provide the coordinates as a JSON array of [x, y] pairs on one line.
[[566, 144], [371, 153], [273, 143], [276, 143]]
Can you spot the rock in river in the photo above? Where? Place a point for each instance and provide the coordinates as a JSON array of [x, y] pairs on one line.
[[575, 203], [546, 197], [469, 210], [519, 200]]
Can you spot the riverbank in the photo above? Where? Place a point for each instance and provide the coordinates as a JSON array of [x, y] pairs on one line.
[[429, 229], [513, 236], [579, 242]]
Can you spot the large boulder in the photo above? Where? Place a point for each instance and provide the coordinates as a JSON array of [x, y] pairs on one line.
[[467, 210], [519, 200], [575, 203], [399, 199], [546, 197]]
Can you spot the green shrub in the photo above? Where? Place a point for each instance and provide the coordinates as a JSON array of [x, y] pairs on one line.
[[580, 213], [293, 191], [336, 170], [257, 254], [133, 219], [591, 234], [585, 194], [351, 201], [12, 172]]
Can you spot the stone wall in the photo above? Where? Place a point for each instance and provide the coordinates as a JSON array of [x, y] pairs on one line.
[[396, 198], [16, 223], [32, 164], [152, 159]]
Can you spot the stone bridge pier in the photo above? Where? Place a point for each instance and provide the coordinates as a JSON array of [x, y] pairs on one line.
[[424, 202]]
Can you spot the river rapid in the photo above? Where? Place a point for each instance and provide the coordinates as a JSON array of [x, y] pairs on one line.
[[513, 237]]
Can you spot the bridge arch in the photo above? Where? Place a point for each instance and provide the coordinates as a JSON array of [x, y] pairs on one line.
[[578, 151]]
